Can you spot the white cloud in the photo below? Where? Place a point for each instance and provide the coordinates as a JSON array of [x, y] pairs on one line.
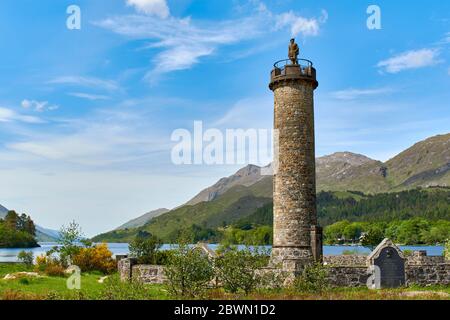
[[151, 7], [88, 96], [8, 115], [300, 25], [413, 59], [39, 106], [351, 94], [183, 42], [90, 82]]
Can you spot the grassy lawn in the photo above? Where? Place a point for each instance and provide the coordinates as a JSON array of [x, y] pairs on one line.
[[46, 287], [55, 288]]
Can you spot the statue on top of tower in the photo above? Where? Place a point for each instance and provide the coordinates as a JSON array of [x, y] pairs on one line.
[[294, 51]]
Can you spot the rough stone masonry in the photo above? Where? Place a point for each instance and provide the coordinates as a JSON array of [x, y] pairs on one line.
[[297, 238]]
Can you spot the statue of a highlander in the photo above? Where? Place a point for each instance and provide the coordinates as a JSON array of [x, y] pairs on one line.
[[294, 51]]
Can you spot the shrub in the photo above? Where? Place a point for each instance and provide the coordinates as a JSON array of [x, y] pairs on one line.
[[146, 250], [55, 270], [312, 279], [26, 257], [50, 266], [239, 270], [97, 258], [189, 272], [114, 289]]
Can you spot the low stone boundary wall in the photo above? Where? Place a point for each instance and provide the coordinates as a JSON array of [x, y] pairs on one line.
[[345, 260], [420, 269], [343, 271], [421, 258], [345, 276]]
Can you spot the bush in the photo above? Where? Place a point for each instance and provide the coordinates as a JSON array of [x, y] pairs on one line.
[[50, 266], [114, 289], [146, 250], [189, 272], [97, 258], [239, 270], [312, 279], [55, 270], [26, 257]]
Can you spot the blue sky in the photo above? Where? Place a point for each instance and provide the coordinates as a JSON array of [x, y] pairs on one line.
[[86, 115]]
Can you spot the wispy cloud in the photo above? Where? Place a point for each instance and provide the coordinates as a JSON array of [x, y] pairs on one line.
[[301, 25], [352, 94], [184, 41], [39, 106], [413, 59], [88, 96], [104, 139], [89, 82], [9, 115], [151, 7]]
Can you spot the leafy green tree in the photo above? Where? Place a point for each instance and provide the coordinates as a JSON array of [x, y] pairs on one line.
[[189, 272], [69, 241], [26, 257], [12, 220], [373, 236], [239, 270], [145, 249], [335, 231]]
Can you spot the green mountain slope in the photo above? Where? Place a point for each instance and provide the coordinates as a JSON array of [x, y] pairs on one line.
[[236, 203], [427, 163]]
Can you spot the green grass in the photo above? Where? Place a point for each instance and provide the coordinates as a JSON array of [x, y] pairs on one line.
[[56, 287]]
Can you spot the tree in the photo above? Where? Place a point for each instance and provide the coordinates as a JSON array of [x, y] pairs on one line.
[[145, 249], [373, 236], [69, 236], [189, 272], [239, 270], [30, 226], [26, 257], [12, 220]]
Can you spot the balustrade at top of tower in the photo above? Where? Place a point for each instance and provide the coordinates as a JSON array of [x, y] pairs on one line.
[[286, 70]]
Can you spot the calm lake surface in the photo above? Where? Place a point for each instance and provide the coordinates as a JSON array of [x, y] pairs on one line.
[[10, 255]]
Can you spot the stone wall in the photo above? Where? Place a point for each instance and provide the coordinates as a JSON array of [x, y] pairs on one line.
[[148, 274], [130, 270], [421, 258], [345, 276], [426, 270], [345, 260], [343, 271], [420, 269]]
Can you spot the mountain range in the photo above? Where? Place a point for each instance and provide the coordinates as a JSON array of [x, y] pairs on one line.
[[425, 164]]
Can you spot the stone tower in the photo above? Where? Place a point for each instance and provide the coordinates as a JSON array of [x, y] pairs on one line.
[[297, 237]]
